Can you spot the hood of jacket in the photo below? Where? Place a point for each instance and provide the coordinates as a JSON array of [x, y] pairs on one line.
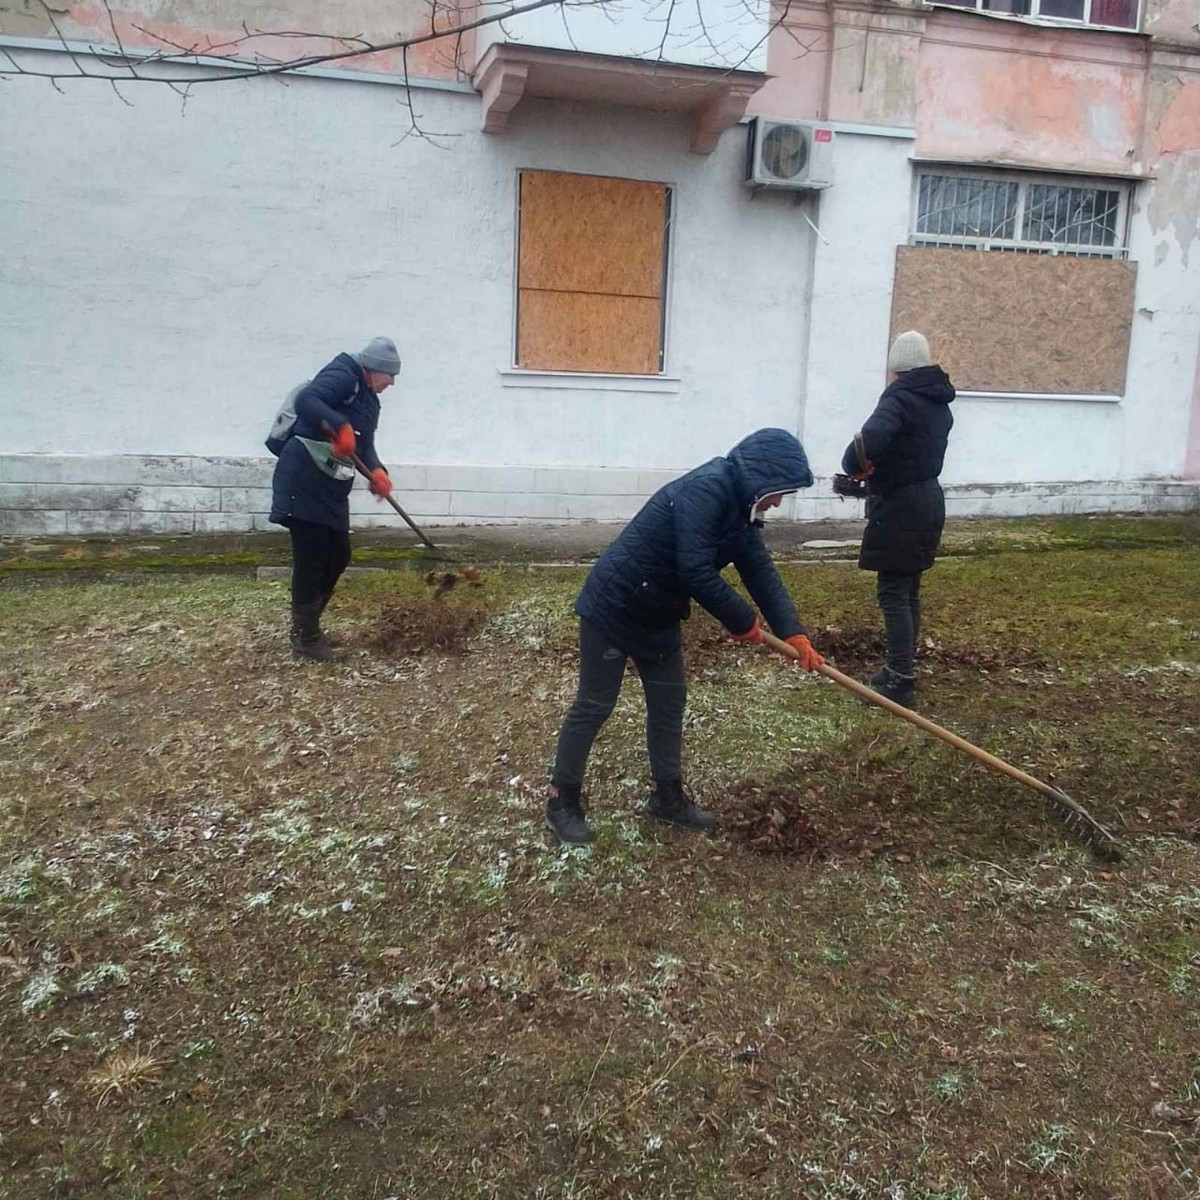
[[768, 462], [931, 383]]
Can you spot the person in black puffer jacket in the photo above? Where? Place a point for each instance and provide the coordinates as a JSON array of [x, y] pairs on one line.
[[640, 590], [337, 413], [903, 446]]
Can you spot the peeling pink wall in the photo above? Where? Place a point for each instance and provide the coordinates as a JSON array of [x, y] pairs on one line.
[[798, 63], [988, 91], [216, 29], [1179, 129]]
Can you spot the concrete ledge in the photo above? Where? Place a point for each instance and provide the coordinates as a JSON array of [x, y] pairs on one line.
[[43, 494]]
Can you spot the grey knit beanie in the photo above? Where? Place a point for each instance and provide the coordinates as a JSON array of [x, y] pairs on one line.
[[380, 354], [909, 350]]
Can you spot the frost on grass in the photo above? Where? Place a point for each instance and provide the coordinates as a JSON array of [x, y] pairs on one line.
[[286, 825], [531, 621], [41, 990], [108, 972]]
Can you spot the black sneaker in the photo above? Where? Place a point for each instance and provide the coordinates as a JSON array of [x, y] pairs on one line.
[[901, 689], [670, 804], [564, 815]]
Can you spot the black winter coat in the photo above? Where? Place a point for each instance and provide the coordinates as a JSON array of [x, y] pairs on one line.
[[905, 438], [300, 490], [674, 550]]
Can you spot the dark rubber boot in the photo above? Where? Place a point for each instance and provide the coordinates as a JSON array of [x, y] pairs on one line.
[[896, 687], [307, 639], [564, 815], [671, 804], [324, 603]]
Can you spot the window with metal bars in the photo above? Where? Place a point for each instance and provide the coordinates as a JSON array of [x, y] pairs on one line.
[[1101, 14], [1036, 215]]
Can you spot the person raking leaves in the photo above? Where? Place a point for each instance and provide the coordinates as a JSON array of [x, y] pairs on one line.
[[335, 417], [639, 591]]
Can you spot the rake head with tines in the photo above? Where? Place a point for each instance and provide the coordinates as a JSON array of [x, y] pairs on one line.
[[1084, 827], [1074, 817]]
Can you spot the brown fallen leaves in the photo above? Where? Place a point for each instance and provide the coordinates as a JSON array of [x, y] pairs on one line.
[[417, 628], [771, 821]]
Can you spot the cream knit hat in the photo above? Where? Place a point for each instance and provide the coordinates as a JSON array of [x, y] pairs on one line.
[[908, 351]]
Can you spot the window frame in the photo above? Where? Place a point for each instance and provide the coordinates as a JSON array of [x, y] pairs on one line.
[[1024, 181], [515, 372], [1034, 17]]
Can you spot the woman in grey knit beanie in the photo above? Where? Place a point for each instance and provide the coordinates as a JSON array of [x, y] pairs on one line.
[[337, 413], [899, 453]]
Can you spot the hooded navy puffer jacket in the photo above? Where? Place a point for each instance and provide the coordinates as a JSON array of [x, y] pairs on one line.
[[674, 550]]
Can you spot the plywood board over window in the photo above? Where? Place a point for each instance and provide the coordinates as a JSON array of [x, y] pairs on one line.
[[1026, 323], [591, 273]]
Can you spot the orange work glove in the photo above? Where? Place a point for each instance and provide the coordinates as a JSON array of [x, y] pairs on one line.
[[380, 484], [809, 659], [753, 635], [865, 473], [342, 441]]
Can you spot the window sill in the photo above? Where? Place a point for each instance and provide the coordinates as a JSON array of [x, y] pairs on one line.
[[1067, 396], [579, 381], [1031, 19]]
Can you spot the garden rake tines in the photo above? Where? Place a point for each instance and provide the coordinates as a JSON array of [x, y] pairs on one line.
[[1078, 821]]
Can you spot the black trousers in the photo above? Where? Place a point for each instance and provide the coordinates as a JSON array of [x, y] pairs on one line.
[[319, 556], [601, 673], [900, 602]]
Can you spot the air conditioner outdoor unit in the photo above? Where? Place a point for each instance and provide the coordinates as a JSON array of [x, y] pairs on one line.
[[795, 155]]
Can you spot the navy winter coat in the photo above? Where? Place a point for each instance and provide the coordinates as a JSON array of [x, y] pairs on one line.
[[300, 490], [674, 550], [905, 438]]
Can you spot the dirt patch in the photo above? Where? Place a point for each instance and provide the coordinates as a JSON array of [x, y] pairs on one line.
[[772, 820], [859, 648], [412, 628], [855, 649], [790, 821]]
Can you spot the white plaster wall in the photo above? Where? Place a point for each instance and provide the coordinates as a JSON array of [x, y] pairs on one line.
[[1166, 330], [168, 276], [865, 216], [731, 35]]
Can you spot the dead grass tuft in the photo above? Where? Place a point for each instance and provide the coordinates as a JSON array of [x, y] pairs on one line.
[[123, 1072]]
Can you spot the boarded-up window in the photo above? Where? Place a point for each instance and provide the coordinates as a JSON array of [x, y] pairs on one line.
[[591, 276], [1029, 323]]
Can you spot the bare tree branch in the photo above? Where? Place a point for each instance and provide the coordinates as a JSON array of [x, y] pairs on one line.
[[127, 103], [185, 56]]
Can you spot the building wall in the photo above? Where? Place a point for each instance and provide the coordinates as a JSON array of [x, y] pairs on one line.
[[974, 89], [693, 32], [170, 273], [283, 31], [172, 276]]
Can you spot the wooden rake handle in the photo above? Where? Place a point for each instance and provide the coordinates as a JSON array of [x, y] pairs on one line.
[[366, 474], [362, 470], [1075, 814]]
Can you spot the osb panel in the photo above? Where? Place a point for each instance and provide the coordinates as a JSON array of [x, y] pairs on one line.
[[585, 233], [577, 331], [1004, 322]]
